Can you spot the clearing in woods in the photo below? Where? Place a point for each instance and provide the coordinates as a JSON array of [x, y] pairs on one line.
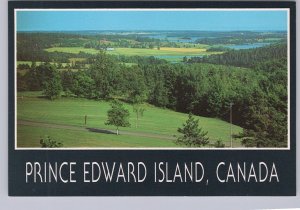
[[63, 120]]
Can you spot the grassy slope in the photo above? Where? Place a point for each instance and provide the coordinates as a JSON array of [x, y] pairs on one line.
[[72, 111], [29, 136]]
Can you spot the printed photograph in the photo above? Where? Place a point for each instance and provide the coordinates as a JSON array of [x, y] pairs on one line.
[[152, 79]]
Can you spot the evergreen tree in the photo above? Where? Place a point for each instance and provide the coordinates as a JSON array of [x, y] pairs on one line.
[[266, 126], [192, 134], [219, 144]]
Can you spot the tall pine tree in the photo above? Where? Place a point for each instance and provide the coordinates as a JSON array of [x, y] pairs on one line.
[[192, 134]]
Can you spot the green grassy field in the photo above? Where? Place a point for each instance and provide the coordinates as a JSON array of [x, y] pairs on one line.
[[71, 111], [28, 136], [74, 50], [164, 51]]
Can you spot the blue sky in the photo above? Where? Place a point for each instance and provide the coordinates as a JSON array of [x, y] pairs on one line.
[[151, 20]]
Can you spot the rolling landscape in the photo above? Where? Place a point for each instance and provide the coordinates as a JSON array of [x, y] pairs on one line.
[[151, 88]]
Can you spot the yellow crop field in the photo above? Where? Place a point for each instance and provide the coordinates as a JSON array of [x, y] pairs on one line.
[[182, 50]]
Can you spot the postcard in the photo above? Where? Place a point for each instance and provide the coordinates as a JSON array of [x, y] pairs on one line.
[[152, 98]]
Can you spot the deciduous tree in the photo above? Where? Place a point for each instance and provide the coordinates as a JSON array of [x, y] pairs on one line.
[[117, 115]]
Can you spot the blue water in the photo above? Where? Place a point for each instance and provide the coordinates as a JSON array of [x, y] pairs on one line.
[[193, 39], [235, 47], [247, 46], [178, 39], [173, 38]]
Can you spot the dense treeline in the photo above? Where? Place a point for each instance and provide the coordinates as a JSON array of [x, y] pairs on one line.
[[247, 57], [258, 95], [31, 46], [37, 42], [242, 37]]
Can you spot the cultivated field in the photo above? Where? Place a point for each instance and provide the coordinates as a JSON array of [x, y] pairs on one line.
[[167, 51], [74, 50]]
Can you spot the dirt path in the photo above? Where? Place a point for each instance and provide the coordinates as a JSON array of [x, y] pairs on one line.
[[97, 130]]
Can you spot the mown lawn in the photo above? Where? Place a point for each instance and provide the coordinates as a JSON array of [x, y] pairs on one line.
[[71, 111], [29, 136]]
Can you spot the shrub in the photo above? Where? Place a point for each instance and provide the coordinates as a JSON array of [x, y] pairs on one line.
[[47, 142]]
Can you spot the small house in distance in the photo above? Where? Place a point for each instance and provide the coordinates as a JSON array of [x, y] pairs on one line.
[[110, 49]]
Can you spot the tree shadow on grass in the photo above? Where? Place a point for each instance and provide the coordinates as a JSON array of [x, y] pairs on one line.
[[96, 130]]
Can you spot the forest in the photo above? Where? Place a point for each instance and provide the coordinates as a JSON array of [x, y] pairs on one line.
[[253, 82]]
